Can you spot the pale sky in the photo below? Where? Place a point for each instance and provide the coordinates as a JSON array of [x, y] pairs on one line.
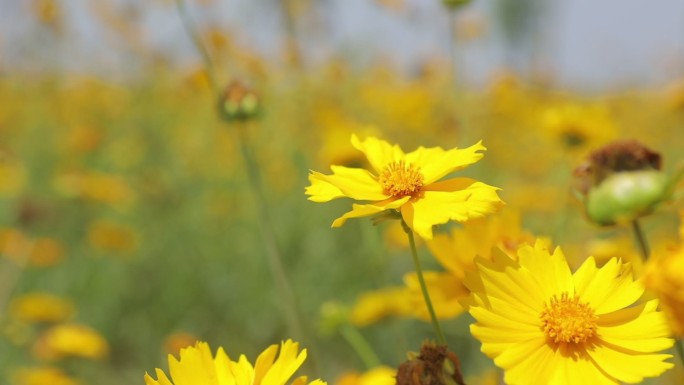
[[584, 43]]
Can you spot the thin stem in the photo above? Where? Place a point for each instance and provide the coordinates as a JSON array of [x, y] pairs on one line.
[[360, 346], [641, 240], [197, 41], [679, 346], [273, 254], [289, 303], [423, 287]]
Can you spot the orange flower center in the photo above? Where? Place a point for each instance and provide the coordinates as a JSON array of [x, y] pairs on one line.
[[568, 320], [400, 179]]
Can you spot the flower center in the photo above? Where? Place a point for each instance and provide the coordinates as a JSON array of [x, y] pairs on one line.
[[400, 179], [568, 320]]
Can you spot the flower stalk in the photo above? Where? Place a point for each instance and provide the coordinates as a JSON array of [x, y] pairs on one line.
[[361, 346], [640, 239], [289, 304], [423, 287]]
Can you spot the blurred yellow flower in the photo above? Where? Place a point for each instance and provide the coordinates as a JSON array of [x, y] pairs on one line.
[[664, 276], [110, 236], [41, 307], [371, 307], [197, 366], [71, 340], [45, 375], [381, 375], [408, 184], [12, 178], [46, 252], [576, 126], [545, 325], [94, 186], [456, 252]]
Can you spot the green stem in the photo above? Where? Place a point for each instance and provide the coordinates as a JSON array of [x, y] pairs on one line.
[[679, 346], [360, 346], [273, 255], [197, 41], [641, 240], [423, 287], [289, 303]]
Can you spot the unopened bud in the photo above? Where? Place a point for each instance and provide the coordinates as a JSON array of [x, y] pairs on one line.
[[238, 102], [621, 182], [434, 365], [625, 196]]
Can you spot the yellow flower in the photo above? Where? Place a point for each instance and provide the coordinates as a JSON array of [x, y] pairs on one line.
[[409, 184], [111, 236], [545, 325], [456, 252], [381, 375], [373, 306], [46, 375], [197, 366], [664, 275], [71, 340], [41, 307]]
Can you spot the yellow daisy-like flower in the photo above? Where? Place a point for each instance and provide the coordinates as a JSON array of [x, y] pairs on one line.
[[197, 366], [408, 183], [545, 325], [664, 276]]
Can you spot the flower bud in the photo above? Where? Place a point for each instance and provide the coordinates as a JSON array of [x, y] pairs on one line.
[[434, 365], [621, 182], [625, 196], [238, 102]]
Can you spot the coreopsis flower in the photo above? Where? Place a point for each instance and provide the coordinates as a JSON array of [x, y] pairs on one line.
[[71, 340], [455, 251], [409, 184], [545, 325], [43, 375], [41, 307], [380, 375], [197, 366], [664, 276]]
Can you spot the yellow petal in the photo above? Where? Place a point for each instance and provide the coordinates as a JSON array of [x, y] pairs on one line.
[[445, 291], [378, 152], [264, 362], [289, 360], [457, 199], [370, 209], [641, 329], [435, 162], [626, 366], [354, 183], [550, 270], [161, 379], [606, 289]]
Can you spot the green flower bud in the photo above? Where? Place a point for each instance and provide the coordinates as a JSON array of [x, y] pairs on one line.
[[625, 196], [238, 103]]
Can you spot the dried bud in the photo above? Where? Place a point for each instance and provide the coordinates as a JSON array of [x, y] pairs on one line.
[[238, 102], [620, 182], [435, 365]]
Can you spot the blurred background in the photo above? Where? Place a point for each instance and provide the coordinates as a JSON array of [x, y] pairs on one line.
[[130, 223]]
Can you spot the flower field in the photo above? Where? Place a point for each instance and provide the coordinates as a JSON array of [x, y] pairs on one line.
[[247, 220]]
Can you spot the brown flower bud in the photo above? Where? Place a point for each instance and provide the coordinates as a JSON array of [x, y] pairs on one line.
[[434, 365], [621, 182]]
